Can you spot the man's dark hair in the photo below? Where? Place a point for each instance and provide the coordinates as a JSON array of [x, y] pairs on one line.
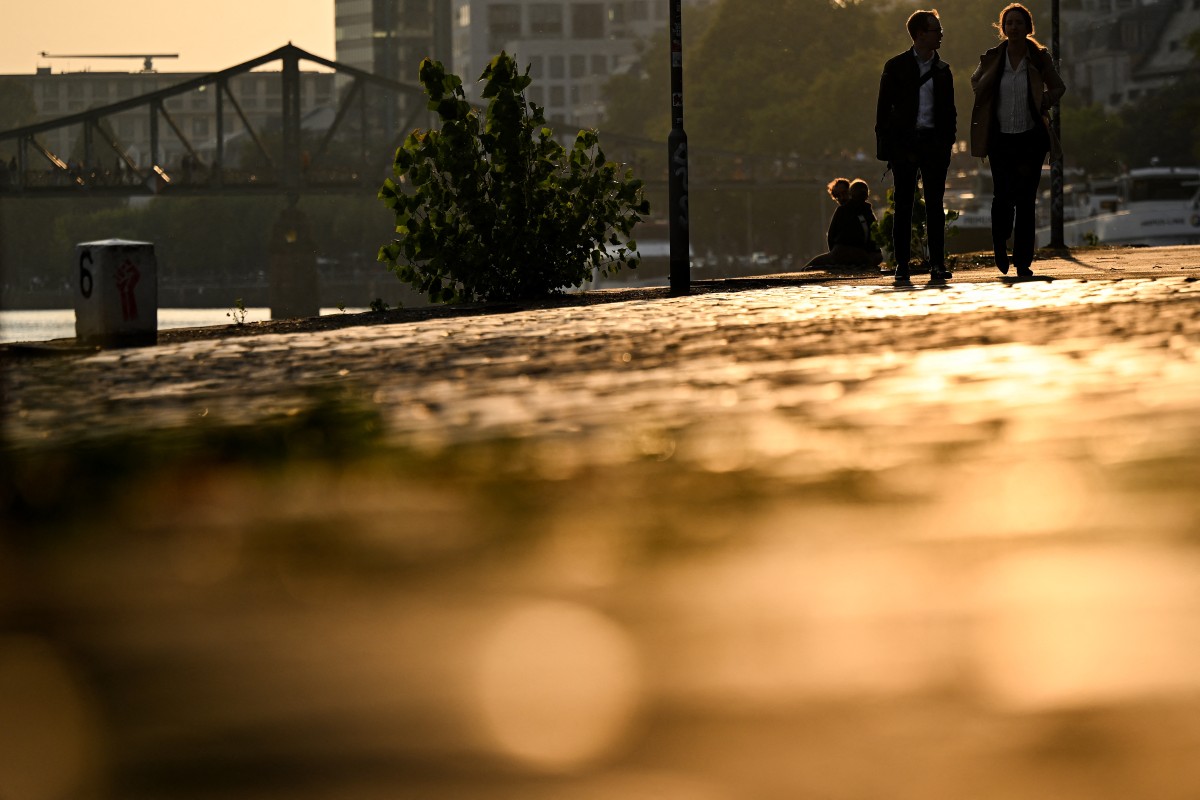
[[919, 19]]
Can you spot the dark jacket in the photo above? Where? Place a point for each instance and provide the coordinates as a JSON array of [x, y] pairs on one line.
[[899, 99], [851, 225], [1045, 89]]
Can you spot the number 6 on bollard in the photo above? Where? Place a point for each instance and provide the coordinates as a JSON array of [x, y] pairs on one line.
[[85, 275]]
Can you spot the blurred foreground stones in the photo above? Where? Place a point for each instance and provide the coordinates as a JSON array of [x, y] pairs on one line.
[[827, 541]]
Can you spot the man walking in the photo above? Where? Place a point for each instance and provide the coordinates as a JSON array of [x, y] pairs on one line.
[[915, 128]]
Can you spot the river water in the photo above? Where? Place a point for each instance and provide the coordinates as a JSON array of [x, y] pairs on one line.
[[59, 323]]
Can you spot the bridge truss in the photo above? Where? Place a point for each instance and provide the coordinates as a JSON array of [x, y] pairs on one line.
[[280, 156]]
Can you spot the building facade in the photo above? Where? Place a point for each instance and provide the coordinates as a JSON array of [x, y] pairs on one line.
[[390, 37], [572, 47], [1116, 51]]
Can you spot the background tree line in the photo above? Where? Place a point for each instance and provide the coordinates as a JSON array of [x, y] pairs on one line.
[[775, 77]]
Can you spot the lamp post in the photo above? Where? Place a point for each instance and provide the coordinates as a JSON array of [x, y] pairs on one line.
[[677, 165], [1056, 164]]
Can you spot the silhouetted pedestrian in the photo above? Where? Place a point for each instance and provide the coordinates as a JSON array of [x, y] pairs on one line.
[[1015, 87], [915, 129]]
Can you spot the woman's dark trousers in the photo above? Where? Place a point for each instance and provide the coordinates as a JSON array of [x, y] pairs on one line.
[[1016, 160]]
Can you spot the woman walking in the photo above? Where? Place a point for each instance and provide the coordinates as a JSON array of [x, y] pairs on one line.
[[1015, 87]]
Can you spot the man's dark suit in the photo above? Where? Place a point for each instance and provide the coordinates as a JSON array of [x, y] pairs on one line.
[[909, 151]]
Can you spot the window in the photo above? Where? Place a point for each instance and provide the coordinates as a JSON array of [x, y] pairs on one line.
[[557, 96], [417, 15], [616, 13], [536, 94], [599, 65], [578, 66], [537, 67], [587, 21], [557, 68], [504, 25], [546, 20], [639, 10], [200, 127]]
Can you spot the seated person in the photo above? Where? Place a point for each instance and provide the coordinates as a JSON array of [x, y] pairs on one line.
[[849, 235]]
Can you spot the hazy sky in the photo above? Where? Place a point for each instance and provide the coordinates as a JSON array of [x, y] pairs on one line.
[[208, 35]]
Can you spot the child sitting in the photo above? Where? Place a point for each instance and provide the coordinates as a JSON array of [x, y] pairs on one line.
[[849, 235]]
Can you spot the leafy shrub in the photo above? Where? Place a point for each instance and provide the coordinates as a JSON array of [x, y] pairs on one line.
[[881, 231], [492, 207]]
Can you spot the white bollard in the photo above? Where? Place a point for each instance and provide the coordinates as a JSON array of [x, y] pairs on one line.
[[116, 297]]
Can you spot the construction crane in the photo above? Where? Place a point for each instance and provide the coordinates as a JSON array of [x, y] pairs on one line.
[[147, 58]]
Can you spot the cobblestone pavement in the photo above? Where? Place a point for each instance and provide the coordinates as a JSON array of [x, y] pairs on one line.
[[808, 539]]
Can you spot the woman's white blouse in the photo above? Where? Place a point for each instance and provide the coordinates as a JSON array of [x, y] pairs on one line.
[[1012, 98]]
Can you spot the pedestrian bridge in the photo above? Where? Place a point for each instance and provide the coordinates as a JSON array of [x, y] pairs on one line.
[[300, 150], [288, 155]]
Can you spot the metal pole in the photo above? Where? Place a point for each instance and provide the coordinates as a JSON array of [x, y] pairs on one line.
[[1056, 164], [292, 175], [677, 182]]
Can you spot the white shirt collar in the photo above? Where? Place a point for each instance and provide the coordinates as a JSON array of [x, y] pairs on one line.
[[923, 61]]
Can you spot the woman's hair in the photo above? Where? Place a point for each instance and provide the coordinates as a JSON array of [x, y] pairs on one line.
[[859, 189], [1019, 9], [839, 188]]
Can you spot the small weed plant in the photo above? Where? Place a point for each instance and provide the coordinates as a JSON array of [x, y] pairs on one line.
[[238, 312], [881, 231], [491, 207]]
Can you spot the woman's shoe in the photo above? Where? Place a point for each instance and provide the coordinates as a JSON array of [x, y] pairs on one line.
[[1001, 260]]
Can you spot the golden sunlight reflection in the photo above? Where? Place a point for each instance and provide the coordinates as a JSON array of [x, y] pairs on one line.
[[559, 685], [781, 625], [1029, 497], [1071, 627]]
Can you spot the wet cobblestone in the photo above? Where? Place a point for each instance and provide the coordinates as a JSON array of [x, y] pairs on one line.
[[814, 540]]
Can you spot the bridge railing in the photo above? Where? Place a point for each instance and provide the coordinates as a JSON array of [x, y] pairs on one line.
[[280, 156]]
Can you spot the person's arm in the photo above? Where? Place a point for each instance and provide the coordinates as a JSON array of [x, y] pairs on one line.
[[831, 234], [883, 112], [1055, 88], [953, 111], [983, 77]]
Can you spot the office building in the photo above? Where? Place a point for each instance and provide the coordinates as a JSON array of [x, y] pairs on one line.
[[571, 46]]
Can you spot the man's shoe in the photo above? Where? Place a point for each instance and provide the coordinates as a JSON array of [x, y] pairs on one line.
[[903, 278], [1002, 266], [941, 273], [1024, 272]]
